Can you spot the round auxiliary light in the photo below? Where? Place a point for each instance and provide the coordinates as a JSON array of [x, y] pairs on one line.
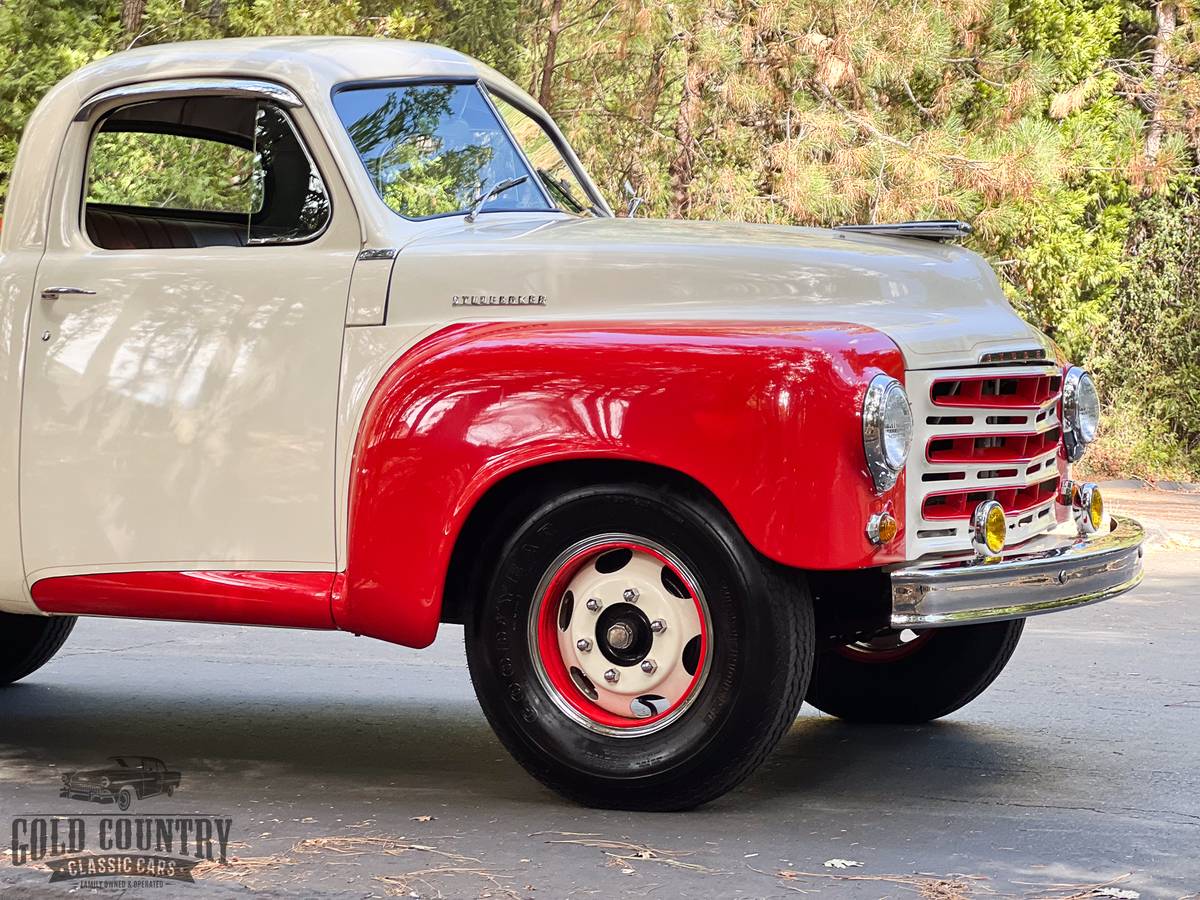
[[1081, 411], [989, 528], [882, 528], [1088, 508], [887, 430]]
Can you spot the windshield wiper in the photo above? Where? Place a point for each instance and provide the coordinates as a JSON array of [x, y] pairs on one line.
[[492, 193], [564, 189]]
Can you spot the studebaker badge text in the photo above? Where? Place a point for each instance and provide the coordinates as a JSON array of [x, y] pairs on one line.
[[498, 300]]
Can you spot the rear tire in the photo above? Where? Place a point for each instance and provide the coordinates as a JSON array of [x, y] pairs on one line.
[[719, 707], [28, 642], [942, 670]]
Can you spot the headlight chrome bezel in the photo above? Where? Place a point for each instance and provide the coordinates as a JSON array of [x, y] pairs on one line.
[[1080, 399], [885, 394]]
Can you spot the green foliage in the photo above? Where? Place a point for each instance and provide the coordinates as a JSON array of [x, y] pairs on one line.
[[1062, 129], [1149, 347], [1077, 34], [172, 172]]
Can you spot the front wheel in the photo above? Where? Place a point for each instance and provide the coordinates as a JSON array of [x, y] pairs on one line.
[[634, 652], [909, 677], [28, 642]]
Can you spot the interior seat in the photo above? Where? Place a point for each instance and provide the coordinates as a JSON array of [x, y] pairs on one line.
[[123, 230]]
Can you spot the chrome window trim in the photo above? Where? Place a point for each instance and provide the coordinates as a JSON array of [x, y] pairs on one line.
[[197, 87]]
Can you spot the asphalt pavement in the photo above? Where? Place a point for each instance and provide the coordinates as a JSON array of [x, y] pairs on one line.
[[351, 768]]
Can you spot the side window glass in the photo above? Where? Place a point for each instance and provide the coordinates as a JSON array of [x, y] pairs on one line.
[[171, 171], [200, 172]]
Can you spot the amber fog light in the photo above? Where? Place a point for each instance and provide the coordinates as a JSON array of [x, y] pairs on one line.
[[1087, 505], [989, 528], [882, 528]]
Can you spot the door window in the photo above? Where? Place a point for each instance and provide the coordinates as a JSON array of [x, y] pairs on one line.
[[201, 172]]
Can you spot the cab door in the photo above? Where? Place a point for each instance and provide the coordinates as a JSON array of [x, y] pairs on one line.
[[181, 378]]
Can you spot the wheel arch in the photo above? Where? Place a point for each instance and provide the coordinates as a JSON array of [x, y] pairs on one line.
[[515, 495]]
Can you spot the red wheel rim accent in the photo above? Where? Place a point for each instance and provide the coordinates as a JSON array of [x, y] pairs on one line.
[[860, 653], [551, 657]]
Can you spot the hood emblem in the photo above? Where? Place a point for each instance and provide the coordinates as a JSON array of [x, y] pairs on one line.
[[498, 300]]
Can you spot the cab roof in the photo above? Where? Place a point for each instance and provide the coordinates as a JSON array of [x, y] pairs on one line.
[[302, 63]]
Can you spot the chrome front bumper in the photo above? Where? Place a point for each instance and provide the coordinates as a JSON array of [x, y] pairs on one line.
[[1046, 574]]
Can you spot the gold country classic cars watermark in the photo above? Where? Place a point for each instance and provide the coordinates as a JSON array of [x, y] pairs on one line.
[[117, 851]]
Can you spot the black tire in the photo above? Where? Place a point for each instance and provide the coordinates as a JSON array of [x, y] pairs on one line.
[[125, 799], [761, 654], [949, 669], [28, 642]]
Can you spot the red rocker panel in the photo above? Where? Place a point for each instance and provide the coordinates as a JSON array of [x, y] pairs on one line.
[[284, 599], [767, 417]]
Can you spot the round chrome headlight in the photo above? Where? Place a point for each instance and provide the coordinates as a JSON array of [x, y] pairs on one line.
[[887, 430], [1081, 411]]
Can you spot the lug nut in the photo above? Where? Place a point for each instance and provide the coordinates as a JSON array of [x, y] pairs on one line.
[[593, 604], [631, 595], [658, 626], [612, 676], [649, 666], [583, 645]]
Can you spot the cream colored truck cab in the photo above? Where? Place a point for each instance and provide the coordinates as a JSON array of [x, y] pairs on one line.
[[338, 333]]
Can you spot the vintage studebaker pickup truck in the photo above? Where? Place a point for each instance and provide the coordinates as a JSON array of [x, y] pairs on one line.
[[339, 334]]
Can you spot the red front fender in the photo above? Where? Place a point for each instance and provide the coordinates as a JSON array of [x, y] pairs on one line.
[[766, 417]]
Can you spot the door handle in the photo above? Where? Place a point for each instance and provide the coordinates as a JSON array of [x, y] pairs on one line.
[[53, 293]]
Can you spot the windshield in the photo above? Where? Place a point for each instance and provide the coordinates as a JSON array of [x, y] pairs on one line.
[[559, 178], [434, 149]]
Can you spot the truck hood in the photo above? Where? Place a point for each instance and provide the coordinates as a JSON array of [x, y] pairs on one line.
[[940, 303]]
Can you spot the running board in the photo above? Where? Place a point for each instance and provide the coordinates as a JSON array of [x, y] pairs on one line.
[[930, 230]]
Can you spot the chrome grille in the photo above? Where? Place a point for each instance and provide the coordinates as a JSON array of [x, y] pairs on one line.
[[981, 434]]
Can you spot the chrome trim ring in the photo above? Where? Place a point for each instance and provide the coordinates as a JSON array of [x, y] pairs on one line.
[[1073, 441], [536, 612], [979, 524], [1046, 574], [882, 472], [1081, 507]]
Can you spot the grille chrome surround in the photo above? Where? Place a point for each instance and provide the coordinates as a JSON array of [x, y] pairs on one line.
[[982, 434]]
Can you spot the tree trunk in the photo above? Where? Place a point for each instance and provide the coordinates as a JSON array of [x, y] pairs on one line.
[[132, 12], [683, 166], [546, 84], [1165, 16]]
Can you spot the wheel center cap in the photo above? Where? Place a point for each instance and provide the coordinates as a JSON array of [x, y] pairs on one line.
[[620, 636]]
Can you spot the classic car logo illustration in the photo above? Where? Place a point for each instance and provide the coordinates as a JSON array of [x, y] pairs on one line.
[[111, 851], [125, 779]]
